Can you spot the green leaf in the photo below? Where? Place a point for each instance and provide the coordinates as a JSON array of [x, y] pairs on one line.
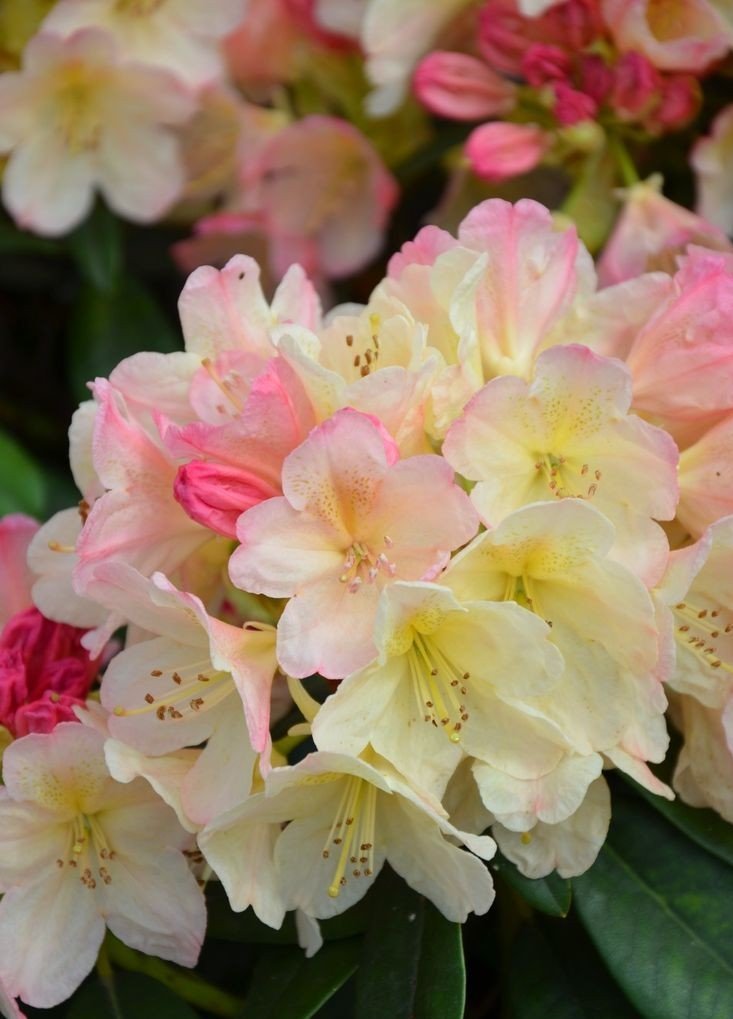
[[703, 826], [387, 978], [22, 484], [14, 241], [108, 326], [441, 976], [554, 974], [412, 961], [97, 248], [658, 908], [552, 894], [130, 996], [287, 985]]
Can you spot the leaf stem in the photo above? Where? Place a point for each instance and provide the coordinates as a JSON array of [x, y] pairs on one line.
[[189, 986], [623, 159]]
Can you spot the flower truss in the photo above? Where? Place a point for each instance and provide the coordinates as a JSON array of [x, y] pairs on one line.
[[489, 508]]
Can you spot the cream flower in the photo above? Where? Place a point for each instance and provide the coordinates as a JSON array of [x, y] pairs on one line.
[[79, 851], [78, 119]]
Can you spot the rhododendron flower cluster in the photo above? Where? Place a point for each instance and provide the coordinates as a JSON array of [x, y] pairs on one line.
[[492, 508]]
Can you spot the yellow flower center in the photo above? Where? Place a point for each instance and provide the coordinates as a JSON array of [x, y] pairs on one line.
[[88, 852], [138, 8], [565, 479], [352, 832], [77, 116], [439, 686], [363, 565]]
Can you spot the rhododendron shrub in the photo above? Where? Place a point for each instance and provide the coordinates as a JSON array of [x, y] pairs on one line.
[[376, 619]]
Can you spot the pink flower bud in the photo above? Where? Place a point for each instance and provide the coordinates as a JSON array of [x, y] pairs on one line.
[[44, 714], [461, 87], [636, 86], [573, 106], [542, 63], [215, 495], [498, 151], [596, 77], [679, 103]]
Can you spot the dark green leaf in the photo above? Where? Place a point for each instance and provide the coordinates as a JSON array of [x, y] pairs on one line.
[[287, 985], [658, 908], [14, 241], [703, 826], [552, 894], [133, 996], [97, 247], [22, 485], [387, 978], [108, 326], [441, 976], [225, 925], [554, 974]]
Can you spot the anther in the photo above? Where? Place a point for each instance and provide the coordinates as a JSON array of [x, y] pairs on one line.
[[156, 673], [149, 699]]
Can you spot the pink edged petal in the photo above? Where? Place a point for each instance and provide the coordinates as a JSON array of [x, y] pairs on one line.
[[639, 771], [282, 550], [429, 242], [8, 1006], [335, 474], [423, 512], [222, 777], [45, 189], [455, 881], [155, 905], [241, 852], [16, 531], [248, 653], [532, 274], [50, 934], [706, 479], [328, 629], [157, 384], [296, 300], [225, 310]]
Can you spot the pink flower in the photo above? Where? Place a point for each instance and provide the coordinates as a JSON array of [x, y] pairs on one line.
[[16, 531], [80, 852], [77, 119], [651, 232], [461, 87], [542, 63], [215, 495], [353, 518], [321, 194], [676, 35], [498, 151], [711, 160], [636, 84]]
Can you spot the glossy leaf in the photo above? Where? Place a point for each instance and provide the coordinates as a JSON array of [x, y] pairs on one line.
[[555, 974], [658, 908], [287, 985], [109, 326], [702, 825], [22, 484], [552, 894], [412, 962]]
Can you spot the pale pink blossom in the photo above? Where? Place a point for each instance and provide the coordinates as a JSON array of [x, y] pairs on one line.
[[706, 479], [321, 194], [346, 526], [181, 36], [650, 232], [500, 150], [711, 159], [461, 87], [8, 1005], [78, 119], [81, 852], [675, 35], [263, 49], [16, 531]]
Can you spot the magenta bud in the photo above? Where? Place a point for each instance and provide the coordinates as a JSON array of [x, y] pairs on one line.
[[460, 87], [215, 494], [498, 151]]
